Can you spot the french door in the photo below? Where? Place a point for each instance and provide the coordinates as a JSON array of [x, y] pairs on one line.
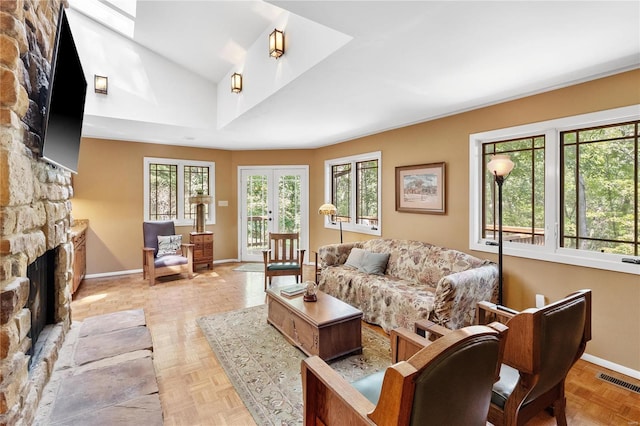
[[272, 199]]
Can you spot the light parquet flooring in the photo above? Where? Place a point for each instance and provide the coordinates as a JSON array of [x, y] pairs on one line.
[[194, 389]]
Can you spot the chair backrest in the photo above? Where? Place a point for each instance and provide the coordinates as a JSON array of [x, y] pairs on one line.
[[453, 380], [284, 247], [151, 230], [546, 342]]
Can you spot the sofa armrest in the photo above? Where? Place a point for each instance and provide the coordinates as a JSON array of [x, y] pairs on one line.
[[458, 294], [334, 254]]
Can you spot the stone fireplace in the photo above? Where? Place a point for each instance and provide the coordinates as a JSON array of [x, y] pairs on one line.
[[35, 209]]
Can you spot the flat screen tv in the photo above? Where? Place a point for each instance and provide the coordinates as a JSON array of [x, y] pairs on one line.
[[64, 109]]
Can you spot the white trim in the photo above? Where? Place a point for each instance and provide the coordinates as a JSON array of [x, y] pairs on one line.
[[113, 274], [139, 271], [612, 366], [180, 220], [353, 159], [550, 251]]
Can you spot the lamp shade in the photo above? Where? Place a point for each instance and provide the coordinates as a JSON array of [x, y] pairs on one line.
[[500, 165], [236, 82], [327, 209], [200, 199], [276, 43]]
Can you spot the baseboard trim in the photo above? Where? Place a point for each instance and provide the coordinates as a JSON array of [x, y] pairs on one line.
[[113, 274], [139, 271], [612, 366]]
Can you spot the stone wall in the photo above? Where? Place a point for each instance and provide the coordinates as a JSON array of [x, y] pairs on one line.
[[35, 211]]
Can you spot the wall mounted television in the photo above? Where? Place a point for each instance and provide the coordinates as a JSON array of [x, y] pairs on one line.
[[64, 109]]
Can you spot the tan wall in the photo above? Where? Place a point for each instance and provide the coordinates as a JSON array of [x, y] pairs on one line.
[[616, 317], [109, 192]]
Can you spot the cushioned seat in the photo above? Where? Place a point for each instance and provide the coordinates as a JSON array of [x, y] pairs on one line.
[[541, 347], [170, 261], [503, 388], [284, 257], [163, 252], [370, 386], [398, 282], [284, 266], [447, 382]]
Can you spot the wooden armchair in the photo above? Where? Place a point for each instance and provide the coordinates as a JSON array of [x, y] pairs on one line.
[[284, 257], [446, 382], [157, 266], [541, 347]]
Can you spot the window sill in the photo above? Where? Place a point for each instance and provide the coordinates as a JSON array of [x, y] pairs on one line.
[[608, 262], [355, 229]]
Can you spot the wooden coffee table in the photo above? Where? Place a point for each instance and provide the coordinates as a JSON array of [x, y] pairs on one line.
[[328, 328]]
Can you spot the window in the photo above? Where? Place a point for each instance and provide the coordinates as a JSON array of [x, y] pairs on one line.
[[522, 198], [573, 195], [352, 184], [600, 189], [168, 184]]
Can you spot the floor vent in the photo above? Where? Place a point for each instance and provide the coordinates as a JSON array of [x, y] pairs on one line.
[[621, 383]]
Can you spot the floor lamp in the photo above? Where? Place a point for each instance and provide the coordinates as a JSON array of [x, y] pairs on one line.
[[330, 209], [500, 166]]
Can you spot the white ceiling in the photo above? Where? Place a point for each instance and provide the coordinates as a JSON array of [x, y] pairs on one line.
[[407, 62]]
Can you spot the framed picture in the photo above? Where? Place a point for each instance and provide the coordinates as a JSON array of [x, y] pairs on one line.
[[421, 188]]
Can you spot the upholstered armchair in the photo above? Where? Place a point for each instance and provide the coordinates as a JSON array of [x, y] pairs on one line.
[[541, 347], [164, 253], [447, 382], [283, 257]]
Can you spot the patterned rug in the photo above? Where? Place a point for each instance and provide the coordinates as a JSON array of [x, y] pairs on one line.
[[265, 369]]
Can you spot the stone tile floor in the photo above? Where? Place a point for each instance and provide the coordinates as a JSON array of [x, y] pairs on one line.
[[104, 375]]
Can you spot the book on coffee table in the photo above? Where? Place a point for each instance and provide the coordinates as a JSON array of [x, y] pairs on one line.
[[292, 290]]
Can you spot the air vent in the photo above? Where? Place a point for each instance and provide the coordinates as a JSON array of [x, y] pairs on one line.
[[618, 382]]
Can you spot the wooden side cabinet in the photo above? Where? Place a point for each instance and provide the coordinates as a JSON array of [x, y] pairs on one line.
[[79, 258], [203, 250]]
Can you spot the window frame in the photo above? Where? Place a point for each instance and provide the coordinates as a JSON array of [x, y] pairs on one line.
[[551, 250], [352, 226], [180, 219]]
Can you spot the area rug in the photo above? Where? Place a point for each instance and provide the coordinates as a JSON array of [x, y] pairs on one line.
[[250, 267], [265, 369]]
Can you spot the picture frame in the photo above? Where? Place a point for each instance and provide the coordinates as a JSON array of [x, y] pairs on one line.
[[421, 188]]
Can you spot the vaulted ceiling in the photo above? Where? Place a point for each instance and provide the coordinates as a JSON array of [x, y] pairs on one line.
[[351, 68]]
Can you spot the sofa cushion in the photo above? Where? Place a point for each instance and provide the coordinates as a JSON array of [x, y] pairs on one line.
[[355, 258], [442, 262], [374, 263], [406, 260]]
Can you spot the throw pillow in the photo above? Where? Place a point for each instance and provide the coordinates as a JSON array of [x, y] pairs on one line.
[[169, 245], [374, 263], [355, 258]]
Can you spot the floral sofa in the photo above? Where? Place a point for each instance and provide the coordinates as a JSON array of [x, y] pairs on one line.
[[420, 281]]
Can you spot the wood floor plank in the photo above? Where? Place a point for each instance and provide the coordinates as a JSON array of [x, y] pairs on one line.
[[193, 388]]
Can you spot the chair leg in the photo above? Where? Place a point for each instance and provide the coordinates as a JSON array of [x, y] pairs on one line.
[[559, 411]]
